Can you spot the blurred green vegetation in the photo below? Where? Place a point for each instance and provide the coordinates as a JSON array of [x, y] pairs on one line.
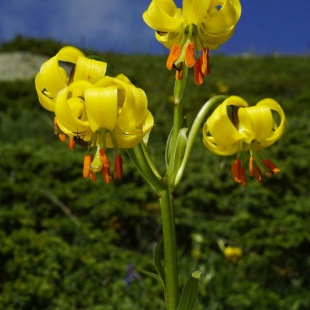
[[68, 243]]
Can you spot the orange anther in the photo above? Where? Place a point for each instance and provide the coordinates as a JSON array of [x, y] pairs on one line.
[[198, 75], [86, 166], [103, 158], [205, 61], [238, 172], [92, 176], [268, 163], [257, 174], [179, 74], [71, 143], [190, 55], [62, 137], [106, 174], [251, 166], [173, 56], [118, 167]]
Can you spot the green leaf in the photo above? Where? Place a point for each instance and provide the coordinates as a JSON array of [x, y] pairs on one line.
[[179, 152], [150, 274], [157, 262], [168, 148], [190, 292]]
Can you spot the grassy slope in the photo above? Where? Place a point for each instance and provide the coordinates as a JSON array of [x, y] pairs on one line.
[[50, 260]]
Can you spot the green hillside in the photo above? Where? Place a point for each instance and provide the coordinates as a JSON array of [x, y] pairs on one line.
[[68, 243]]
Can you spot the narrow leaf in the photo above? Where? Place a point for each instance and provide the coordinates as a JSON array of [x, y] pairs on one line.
[[150, 274], [179, 152], [190, 292], [157, 262]]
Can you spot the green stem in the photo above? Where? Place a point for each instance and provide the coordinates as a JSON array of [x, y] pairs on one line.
[[170, 252], [193, 132]]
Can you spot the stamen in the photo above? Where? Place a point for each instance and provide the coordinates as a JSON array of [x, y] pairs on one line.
[[56, 127], [103, 158], [268, 163], [257, 174], [205, 62], [118, 167], [238, 172], [179, 74], [190, 55], [173, 56], [106, 174], [198, 75], [62, 137], [92, 176], [71, 143], [86, 166], [251, 166]]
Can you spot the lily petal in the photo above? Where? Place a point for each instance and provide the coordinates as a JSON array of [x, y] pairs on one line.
[[255, 123], [163, 15], [46, 100], [70, 109], [90, 70], [101, 107], [132, 102], [220, 21], [132, 138], [278, 130], [194, 11], [220, 126]]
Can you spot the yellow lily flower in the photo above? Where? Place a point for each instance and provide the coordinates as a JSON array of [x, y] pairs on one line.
[[248, 129], [53, 77], [111, 113], [199, 26], [94, 110]]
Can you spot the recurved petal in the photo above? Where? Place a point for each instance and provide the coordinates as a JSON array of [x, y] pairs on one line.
[[277, 129], [53, 77], [215, 41], [129, 139], [101, 107], [90, 70], [220, 126], [134, 108], [220, 20], [70, 108], [163, 15], [132, 102], [46, 99], [255, 123], [69, 54], [211, 144], [169, 39], [194, 11]]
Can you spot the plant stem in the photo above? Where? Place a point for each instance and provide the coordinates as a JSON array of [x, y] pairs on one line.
[[170, 252], [194, 130]]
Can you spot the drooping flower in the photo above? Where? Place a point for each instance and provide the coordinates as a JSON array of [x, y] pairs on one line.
[[249, 129], [94, 110], [53, 77], [199, 26]]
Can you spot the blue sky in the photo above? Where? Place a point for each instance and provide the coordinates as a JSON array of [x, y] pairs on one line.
[[266, 26]]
